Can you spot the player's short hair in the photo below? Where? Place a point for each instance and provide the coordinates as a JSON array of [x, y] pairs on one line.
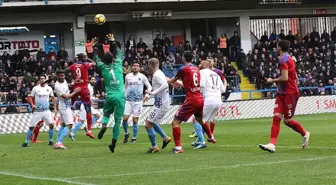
[[153, 62], [81, 56], [284, 45], [45, 76], [188, 55], [58, 72], [136, 62]]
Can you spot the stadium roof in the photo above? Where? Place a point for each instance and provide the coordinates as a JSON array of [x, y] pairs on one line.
[[175, 6]]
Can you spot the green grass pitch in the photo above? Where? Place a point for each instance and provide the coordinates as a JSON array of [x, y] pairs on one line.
[[234, 160]]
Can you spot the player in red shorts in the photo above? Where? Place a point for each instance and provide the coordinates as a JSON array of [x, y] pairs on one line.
[[193, 105], [81, 73], [286, 99]]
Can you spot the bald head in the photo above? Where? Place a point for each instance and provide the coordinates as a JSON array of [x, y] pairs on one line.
[[205, 64]]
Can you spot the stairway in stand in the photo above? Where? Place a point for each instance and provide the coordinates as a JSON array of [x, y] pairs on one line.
[[246, 85]]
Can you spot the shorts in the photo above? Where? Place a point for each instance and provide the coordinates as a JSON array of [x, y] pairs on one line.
[[84, 94], [156, 115], [38, 116], [189, 108], [286, 104], [116, 105], [133, 108], [210, 110], [82, 112], [66, 116]]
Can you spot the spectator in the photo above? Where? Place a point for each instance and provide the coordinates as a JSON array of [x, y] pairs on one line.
[[171, 48], [282, 35], [235, 45], [325, 36], [264, 37], [157, 49], [314, 35], [23, 93], [12, 85], [199, 41], [11, 109], [130, 43], [223, 47], [290, 37], [333, 35], [141, 46], [51, 54], [11, 97], [2, 99], [2, 66], [165, 40], [62, 54], [170, 59], [273, 36], [126, 68], [41, 53], [187, 46]]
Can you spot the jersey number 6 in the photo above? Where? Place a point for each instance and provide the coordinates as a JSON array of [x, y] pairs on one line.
[[195, 79]]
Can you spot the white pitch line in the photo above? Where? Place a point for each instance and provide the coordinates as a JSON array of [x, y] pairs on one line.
[[290, 147], [233, 146], [43, 178], [208, 168]]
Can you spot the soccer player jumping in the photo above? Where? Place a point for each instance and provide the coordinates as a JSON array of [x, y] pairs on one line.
[[111, 71], [81, 73], [286, 99], [193, 105]]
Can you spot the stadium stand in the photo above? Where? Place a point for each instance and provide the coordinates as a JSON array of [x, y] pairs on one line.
[[314, 54]]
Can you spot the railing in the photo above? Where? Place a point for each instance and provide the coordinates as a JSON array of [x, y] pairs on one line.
[[233, 81], [333, 89]]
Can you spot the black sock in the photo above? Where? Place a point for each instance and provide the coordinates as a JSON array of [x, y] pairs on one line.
[[114, 141]]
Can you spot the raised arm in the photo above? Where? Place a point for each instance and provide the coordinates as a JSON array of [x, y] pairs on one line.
[[116, 50]]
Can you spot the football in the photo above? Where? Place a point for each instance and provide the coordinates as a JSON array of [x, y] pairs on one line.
[[99, 19]]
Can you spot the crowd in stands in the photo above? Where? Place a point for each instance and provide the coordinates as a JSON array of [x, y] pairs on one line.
[[19, 72], [314, 55]]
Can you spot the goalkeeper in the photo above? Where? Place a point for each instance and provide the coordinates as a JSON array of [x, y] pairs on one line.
[[110, 66]]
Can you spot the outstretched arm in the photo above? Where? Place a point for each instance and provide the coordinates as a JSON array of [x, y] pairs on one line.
[[116, 50]]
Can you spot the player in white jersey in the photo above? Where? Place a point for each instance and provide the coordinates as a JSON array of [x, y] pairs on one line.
[[82, 114], [41, 95], [134, 84], [161, 105], [212, 88], [64, 107]]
